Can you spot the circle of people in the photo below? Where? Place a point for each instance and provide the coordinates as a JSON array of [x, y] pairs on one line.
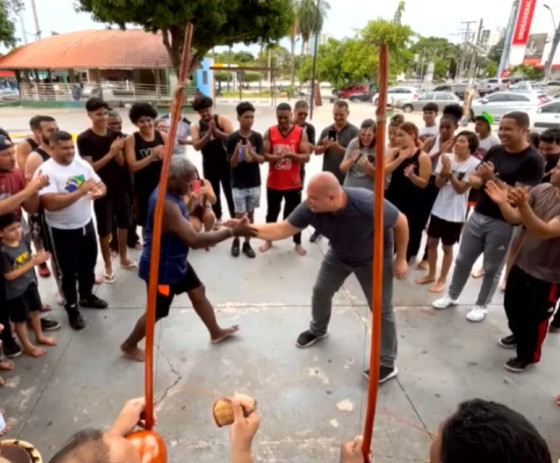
[[496, 196]]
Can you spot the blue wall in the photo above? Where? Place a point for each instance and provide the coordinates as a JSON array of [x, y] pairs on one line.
[[205, 77]]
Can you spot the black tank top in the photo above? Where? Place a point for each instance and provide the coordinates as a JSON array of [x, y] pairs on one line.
[[402, 192], [214, 152], [41, 152], [32, 143]]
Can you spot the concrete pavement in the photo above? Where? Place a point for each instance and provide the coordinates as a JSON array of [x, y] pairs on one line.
[[310, 400]]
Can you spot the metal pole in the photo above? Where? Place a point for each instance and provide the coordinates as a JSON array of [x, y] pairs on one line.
[[36, 19], [508, 38], [554, 47], [312, 102]]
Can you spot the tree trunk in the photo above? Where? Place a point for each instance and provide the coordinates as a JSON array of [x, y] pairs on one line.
[[293, 63]]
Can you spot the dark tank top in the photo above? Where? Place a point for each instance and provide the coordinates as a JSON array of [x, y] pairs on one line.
[[402, 192]]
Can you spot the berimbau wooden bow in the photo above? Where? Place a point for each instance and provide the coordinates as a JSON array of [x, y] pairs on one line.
[[378, 227], [176, 107]]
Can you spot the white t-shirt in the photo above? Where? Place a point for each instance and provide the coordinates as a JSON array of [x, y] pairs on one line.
[[450, 205], [67, 179], [429, 131], [484, 145]]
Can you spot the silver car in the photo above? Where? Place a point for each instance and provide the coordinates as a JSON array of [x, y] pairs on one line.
[[442, 99], [501, 103]]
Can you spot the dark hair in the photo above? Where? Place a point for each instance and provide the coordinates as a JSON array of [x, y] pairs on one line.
[[431, 106], [58, 136], [284, 107], [202, 103], [550, 136], [453, 112], [8, 219], [341, 104], [472, 138], [488, 432], [301, 104], [86, 446], [243, 107], [113, 113], [93, 104], [142, 109], [520, 118], [396, 120], [534, 138], [35, 121], [368, 124]]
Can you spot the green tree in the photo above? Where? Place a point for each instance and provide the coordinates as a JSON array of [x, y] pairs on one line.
[[398, 14], [444, 54], [495, 53], [311, 15], [216, 22], [528, 72], [252, 77], [293, 33], [243, 57], [7, 28]]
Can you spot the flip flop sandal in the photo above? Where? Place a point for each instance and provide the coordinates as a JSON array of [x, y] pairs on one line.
[[109, 279], [131, 266]]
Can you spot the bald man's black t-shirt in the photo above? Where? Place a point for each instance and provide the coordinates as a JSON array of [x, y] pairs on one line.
[[524, 168]]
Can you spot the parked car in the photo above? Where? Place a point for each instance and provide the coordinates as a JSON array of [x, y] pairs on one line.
[[493, 85], [399, 93], [352, 89], [442, 99], [458, 89], [546, 116], [500, 103], [364, 96]]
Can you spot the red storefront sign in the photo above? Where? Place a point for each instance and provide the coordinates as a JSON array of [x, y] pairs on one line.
[[524, 20]]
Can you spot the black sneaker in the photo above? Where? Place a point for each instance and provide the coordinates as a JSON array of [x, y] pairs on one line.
[[11, 349], [509, 342], [93, 302], [516, 365], [315, 236], [235, 247], [385, 374], [48, 324], [307, 339], [76, 320], [248, 250]]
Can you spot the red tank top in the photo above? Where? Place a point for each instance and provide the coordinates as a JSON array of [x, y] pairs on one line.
[[286, 173]]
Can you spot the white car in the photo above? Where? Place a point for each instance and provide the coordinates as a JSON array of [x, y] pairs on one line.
[[546, 116], [501, 103], [398, 93]]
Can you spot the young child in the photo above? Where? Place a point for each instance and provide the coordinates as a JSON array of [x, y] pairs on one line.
[[24, 302]]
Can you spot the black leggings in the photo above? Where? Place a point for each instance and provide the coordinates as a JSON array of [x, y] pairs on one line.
[[274, 199], [216, 175]]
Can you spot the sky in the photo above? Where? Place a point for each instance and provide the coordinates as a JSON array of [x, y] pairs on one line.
[[440, 18]]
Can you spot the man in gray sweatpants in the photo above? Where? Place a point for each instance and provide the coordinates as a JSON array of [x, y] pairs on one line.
[[516, 163], [345, 217]]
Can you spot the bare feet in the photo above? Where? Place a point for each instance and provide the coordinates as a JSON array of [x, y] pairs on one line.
[[477, 273], [266, 246], [425, 280], [46, 341], [423, 265], [34, 351], [438, 287], [132, 353], [129, 264], [7, 365], [300, 250], [223, 334]]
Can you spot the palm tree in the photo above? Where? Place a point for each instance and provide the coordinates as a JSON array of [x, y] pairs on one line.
[[293, 32], [311, 15]]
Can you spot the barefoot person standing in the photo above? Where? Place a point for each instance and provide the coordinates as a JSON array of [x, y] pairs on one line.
[[176, 274]]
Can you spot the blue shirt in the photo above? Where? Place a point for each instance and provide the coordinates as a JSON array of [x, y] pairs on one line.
[[173, 253]]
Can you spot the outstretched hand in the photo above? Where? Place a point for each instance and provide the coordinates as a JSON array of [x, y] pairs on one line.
[[351, 452], [241, 227], [130, 417]]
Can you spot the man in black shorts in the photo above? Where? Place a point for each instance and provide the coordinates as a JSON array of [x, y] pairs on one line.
[[176, 274], [104, 151]]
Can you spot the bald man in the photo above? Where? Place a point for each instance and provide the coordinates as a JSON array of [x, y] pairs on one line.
[[345, 217]]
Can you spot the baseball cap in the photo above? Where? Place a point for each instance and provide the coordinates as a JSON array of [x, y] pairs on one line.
[[487, 117], [5, 143]]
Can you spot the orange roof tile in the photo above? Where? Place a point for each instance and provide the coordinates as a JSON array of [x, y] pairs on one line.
[[92, 49]]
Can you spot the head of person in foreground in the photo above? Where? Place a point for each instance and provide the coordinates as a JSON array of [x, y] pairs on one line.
[[324, 193]]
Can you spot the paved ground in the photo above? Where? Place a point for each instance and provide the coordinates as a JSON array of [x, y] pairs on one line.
[[310, 400]]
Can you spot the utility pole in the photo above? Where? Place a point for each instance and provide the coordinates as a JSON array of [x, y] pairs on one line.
[[554, 47], [508, 37], [36, 19], [472, 67], [22, 25], [312, 102], [464, 47]]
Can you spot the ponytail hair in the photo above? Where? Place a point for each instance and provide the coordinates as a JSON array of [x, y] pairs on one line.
[[411, 129]]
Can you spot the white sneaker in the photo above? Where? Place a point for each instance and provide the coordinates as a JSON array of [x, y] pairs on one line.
[[477, 314], [444, 302]]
